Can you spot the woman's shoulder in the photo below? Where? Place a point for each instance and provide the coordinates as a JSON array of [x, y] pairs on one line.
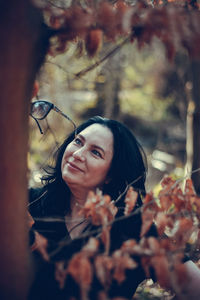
[[48, 200]]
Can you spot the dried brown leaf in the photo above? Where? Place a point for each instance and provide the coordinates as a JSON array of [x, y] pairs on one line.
[[147, 220], [161, 267], [80, 269], [130, 200], [122, 262], [93, 41], [40, 245], [60, 273], [103, 267]]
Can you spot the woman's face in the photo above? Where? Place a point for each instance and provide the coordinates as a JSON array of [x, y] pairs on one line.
[[87, 159]]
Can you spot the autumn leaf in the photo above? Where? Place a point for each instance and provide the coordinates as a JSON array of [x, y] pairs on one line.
[[133, 248], [178, 198], [122, 261], [99, 208], [130, 200], [93, 41], [149, 202], [189, 187], [161, 267], [122, 12], [107, 19], [91, 247], [147, 220], [102, 295], [167, 183], [61, 273], [103, 267], [161, 221], [154, 245], [183, 231], [105, 237], [30, 219], [80, 269], [128, 245], [57, 20], [40, 245], [168, 245], [145, 262]]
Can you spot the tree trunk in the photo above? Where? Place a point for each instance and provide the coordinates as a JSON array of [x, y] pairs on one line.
[[189, 137], [109, 86], [195, 69], [22, 49]]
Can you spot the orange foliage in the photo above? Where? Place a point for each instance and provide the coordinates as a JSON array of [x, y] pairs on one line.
[[40, 245], [130, 200], [99, 208], [93, 41], [80, 269], [175, 214], [175, 24], [121, 262]]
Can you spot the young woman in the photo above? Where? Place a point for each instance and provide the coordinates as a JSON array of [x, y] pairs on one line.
[[103, 154]]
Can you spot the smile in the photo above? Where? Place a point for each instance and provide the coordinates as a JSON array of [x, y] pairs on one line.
[[72, 166]]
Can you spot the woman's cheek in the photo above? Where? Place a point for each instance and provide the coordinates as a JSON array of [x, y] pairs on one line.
[[65, 173]]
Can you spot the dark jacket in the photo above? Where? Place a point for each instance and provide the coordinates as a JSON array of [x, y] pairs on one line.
[[50, 223]]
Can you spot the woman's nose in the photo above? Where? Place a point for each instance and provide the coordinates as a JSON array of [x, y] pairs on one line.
[[79, 154]]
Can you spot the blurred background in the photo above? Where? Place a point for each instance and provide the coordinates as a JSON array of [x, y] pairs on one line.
[[138, 87]]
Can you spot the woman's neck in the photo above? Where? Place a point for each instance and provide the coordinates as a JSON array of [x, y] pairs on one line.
[[77, 200], [74, 221]]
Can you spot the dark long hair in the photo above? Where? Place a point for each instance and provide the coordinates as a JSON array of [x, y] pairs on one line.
[[128, 165]]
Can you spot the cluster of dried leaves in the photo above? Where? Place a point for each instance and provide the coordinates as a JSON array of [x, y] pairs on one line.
[[176, 215], [89, 23], [90, 261]]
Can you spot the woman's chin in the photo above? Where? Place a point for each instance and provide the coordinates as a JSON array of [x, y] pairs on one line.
[[71, 180]]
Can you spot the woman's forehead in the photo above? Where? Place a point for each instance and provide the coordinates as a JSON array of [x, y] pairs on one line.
[[97, 133]]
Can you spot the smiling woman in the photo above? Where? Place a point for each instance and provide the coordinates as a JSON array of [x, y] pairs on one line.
[[104, 155], [86, 160]]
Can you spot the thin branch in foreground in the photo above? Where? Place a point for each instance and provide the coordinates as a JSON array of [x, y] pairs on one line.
[[99, 62], [127, 187], [98, 230], [183, 178], [51, 3], [69, 73]]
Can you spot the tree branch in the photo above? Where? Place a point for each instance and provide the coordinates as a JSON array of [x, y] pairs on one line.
[[99, 62]]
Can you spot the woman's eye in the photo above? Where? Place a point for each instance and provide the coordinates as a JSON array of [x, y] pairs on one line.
[[97, 153], [78, 141]]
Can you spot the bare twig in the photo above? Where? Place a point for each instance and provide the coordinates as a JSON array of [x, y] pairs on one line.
[[183, 178], [99, 62], [55, 5], [98, 230], [127, 187]]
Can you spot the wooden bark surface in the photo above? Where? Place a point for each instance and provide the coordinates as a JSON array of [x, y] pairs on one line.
[[20, 56]]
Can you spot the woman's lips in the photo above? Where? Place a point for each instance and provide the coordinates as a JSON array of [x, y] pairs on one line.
[[73, 166]]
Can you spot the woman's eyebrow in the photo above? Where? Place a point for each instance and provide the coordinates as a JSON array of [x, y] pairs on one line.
[[81, 136]]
